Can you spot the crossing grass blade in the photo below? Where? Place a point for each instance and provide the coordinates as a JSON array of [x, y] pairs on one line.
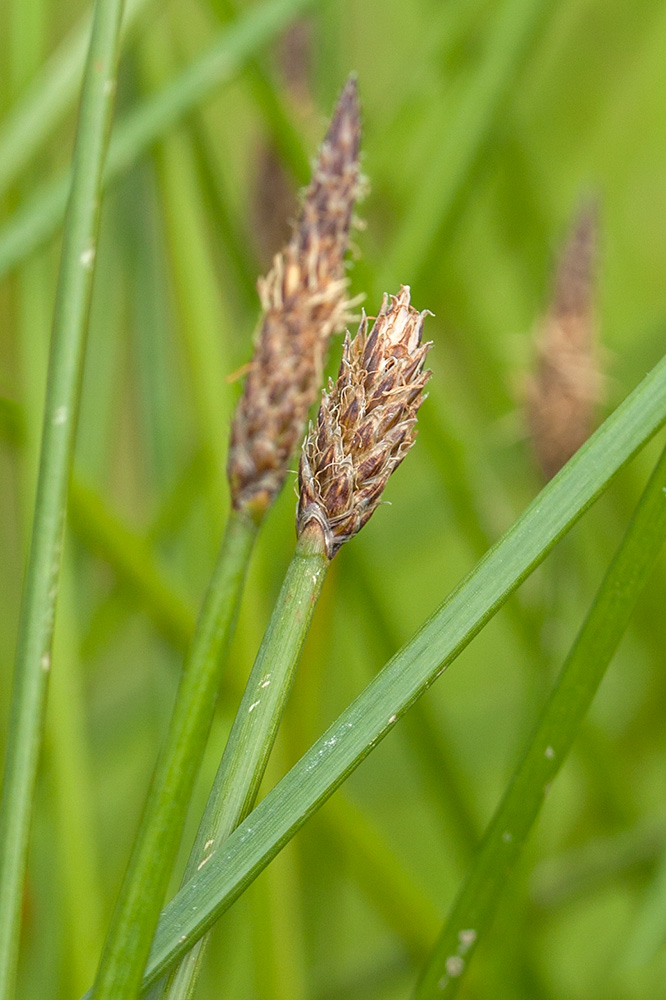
[[549, 746]]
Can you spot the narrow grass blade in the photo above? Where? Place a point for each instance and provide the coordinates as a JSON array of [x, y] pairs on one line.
[[33, 656], [147, 876], [556, 730], [255, 727], [33, 225], [39, 111], [372, 715], [437, 192]]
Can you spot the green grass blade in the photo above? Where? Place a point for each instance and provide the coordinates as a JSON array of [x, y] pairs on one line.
[[39, 220], [33, 656], [437, 192], [37, 114], [153, 855], [255, 727], [372, 715], [572, 696]]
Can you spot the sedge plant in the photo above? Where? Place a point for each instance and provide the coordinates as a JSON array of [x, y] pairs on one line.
[[373, 714], [472, 146], [365, 427], [304, 302]]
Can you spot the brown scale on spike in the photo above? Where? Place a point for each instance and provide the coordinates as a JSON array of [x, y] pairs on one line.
[[304, 300], [366, 424], [566, 385]]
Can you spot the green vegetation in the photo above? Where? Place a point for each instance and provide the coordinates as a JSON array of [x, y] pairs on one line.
[[484, 127]]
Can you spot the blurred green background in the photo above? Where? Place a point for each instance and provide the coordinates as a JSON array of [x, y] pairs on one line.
[[484, 125]]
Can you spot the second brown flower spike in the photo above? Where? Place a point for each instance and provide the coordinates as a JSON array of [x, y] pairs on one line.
[[304, 301], [366, 424]]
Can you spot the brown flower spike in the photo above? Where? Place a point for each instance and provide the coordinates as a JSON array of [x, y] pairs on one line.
[[565, 387], [366, 423], [304, 301]]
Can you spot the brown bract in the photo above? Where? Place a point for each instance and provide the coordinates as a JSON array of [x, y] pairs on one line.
[[565, 387], [304, 299], [366, 424]]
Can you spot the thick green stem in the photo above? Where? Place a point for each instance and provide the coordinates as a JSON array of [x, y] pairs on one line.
[[70, 324], [583, 671], [156, 845], [255, 727]]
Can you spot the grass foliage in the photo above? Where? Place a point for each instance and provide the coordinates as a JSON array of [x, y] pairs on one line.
[[484, 127]]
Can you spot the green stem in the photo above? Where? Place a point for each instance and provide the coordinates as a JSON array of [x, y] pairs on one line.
[[582, 673], [255, 727], [142, 893], [70, 324]]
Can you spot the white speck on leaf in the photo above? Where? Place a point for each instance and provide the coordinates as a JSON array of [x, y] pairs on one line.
[[466, 939], [454, 965], [253, 706], [507, 837], [549, 753], [60, 415], [87, 258]]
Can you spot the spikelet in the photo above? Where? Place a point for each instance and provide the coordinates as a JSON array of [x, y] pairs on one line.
[[366, 424], [304, 300], [562, 394]]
